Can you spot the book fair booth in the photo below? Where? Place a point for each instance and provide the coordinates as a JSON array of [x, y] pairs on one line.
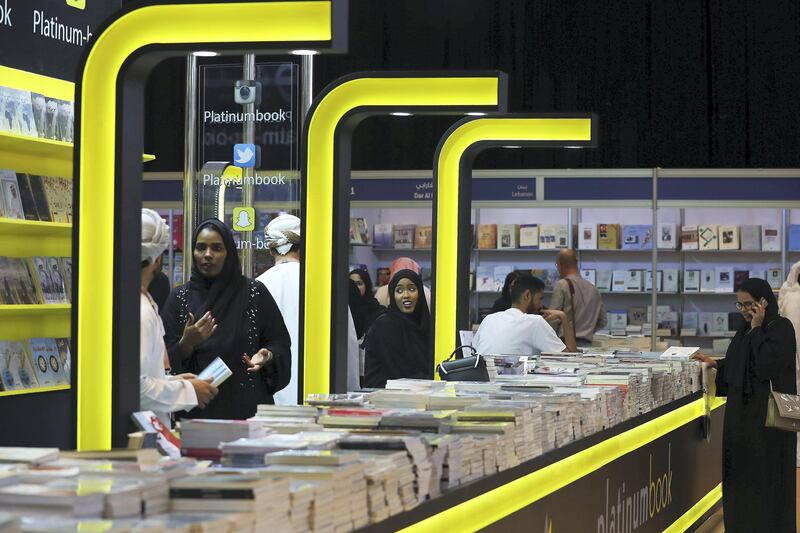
[[627, 431]]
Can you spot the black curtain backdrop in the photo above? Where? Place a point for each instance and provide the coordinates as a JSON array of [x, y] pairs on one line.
[[676, 84]]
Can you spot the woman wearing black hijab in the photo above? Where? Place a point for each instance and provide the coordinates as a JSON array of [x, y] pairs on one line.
[[221, 313], [504, 302], [398, 343], [363, 305], [758, 463]]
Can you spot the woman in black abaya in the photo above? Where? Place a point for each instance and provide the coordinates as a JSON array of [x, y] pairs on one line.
[[363, 305], [758, 463], [398, 343], [221, 313]]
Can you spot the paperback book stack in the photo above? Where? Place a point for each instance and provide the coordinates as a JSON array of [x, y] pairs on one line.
[[301, 499], [505, 411], [267, 498], [351, 418], [287, 418], [413, 419], [333, 467], [497, 423], [28, 498], [414, 446], [251, 452], [201, 438], [322, 510], [122, 497], [350, 498], [451, 449], [384, 484]]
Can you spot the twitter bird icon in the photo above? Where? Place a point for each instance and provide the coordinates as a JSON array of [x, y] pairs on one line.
[[244, 155]]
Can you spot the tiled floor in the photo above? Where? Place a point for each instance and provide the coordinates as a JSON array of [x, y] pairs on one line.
[[714, 523]]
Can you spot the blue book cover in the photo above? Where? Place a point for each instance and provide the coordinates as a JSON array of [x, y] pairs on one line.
[[383, 236], [637, 237], [794, 237]]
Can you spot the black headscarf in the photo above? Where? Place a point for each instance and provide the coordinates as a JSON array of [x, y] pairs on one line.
[[364, 275], [226, 294], [398, 344], [364, 307], [354, 302], [759, 288], [504, 302], [738, 360], [421, 316]]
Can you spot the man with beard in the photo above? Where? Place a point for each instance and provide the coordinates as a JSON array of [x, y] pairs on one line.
[[521, 330]]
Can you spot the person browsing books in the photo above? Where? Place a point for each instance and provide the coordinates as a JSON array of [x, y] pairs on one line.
[[398, 343], [579, 299], [221, 313], [158, 392], [758, 462], [520, 330]]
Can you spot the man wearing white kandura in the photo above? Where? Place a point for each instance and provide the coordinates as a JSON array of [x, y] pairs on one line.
[[159, 392], [789, 306], [283, 282]]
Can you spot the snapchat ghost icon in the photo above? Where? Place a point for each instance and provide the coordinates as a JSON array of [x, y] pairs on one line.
[[244, 219]]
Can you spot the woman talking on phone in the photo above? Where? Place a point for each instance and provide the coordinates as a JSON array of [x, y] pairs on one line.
[[758, 463]]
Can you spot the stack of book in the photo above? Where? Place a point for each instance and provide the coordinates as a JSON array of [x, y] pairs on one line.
[[201, 438], [251, 451], [265, 497], [350, 498], [32, 498]]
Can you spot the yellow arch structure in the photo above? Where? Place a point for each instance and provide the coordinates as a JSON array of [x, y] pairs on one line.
[[452, 175], [177, 28], [327, 135]]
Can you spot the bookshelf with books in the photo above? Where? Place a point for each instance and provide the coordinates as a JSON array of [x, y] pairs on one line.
[[506, 229], [35, 232]]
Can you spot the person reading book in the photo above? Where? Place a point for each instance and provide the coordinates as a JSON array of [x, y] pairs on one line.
[[521, 330], [579, 299], [221, 313], [159, 392], [398, 343]]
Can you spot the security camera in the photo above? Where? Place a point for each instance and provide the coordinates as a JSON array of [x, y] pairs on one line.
[[247, 92]]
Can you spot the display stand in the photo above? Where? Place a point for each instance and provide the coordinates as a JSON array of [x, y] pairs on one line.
[[28, 238], [656, 472]]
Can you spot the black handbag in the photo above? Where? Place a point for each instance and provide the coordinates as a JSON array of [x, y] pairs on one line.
[[472, 368]]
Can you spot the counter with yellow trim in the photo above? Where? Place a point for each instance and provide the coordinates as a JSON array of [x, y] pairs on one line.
[[654, 472]]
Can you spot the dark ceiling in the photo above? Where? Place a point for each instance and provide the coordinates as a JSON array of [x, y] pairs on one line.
[[676, 84]]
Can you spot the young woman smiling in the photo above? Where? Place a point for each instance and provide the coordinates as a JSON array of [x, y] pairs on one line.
[[398, 343]]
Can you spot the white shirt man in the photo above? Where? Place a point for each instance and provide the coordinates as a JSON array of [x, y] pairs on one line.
[[517, 330], [282, 236], [159, 392]]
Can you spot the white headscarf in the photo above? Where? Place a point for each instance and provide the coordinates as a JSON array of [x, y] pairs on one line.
[[155, 235], [282, 232]]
